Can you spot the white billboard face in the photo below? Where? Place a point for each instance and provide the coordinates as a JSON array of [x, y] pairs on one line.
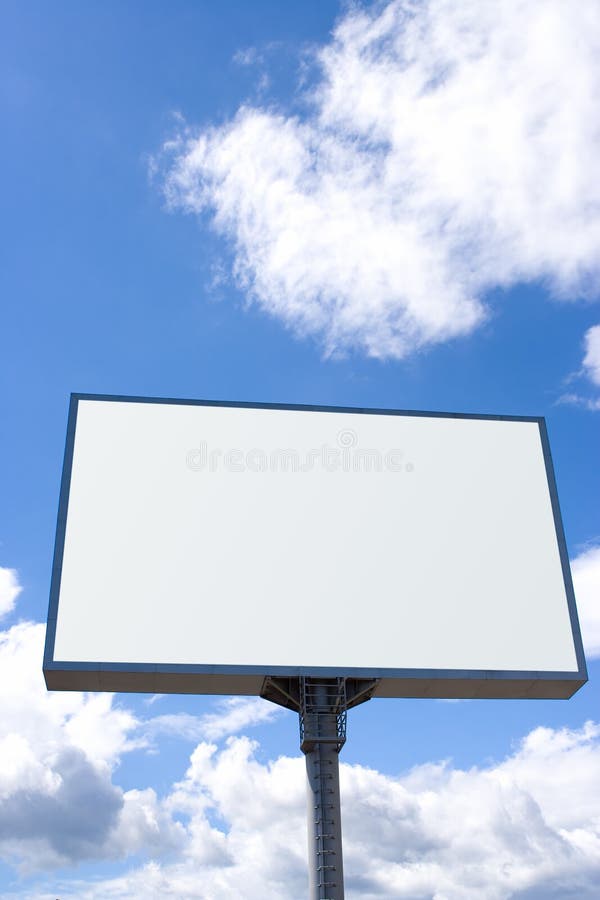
[[204, 547]]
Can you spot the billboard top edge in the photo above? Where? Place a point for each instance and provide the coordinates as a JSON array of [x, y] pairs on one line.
[[302, 407]]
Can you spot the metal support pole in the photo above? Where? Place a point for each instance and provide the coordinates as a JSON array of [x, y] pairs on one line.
[[323, 732], [322, 704], [325, 861]]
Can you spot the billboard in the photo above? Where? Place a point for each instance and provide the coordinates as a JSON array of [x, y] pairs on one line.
[[205, 546]]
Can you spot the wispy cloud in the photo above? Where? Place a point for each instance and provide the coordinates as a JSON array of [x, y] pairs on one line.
[[154, 698], [232, 715], [450, 148], [249, 56], [591, 359], [572, 398]]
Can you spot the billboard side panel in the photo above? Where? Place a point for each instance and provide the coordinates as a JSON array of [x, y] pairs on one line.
[[563, 551], [61, 525]]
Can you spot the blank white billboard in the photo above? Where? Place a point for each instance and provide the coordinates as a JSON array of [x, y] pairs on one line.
[[205, 546]]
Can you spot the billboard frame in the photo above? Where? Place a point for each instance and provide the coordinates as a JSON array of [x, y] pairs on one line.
[[249, 680]]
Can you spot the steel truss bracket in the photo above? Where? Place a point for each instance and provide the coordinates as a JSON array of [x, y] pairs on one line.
[[288, 692]]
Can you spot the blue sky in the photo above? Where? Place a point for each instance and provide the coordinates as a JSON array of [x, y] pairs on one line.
[[378, 205]]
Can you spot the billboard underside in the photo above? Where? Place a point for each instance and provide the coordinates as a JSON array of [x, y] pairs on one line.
[[438, 686], [202, 547]]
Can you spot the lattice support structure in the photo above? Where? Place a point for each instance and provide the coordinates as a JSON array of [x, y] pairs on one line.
[[322, 704]]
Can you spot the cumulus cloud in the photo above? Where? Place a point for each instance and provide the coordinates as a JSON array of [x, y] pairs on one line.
[[58, 752], [61, 808], [9, 590], [524, 827], [586, 582], [449, 148]]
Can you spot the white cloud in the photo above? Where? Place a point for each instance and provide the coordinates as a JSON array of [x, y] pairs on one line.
[[590, 369], [526, 827], [591, 360], [586, 582], [58, 751], [250, 56], [9, 590], [20, 767], [233, 714], [450, 148], [154, 698], [573, 399], [89, 723]]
